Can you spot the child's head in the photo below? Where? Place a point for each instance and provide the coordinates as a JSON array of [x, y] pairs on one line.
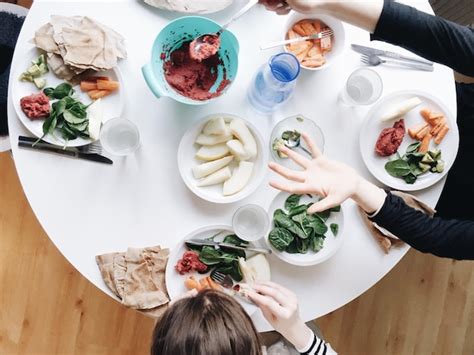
[[211, 323]]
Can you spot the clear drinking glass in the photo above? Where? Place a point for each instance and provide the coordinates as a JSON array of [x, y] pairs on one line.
[[120, 136], [250, 223], [274, 83], [363, 87]]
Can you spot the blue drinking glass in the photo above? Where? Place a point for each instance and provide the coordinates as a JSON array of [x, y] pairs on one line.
[[274, 83]]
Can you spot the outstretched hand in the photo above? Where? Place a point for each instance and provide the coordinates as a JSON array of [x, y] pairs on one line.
[[333, 181], [281, 7]]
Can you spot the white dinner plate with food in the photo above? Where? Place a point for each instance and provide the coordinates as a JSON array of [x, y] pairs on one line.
[[112, 105], [175, 282], [222, 158], [429, 146], [297, 252]]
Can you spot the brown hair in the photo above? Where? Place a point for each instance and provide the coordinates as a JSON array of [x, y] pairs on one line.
[[211, 323]]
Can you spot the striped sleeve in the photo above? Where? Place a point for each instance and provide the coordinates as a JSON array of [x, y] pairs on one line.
[[317, 346]]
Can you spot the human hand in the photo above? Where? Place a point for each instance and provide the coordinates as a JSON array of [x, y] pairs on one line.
[[279, 6], [309, 6], [333, 181], [280, 308]]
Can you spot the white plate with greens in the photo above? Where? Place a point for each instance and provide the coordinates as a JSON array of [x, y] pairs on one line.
[[175, 281], [112, 104], [296, 237], [373, 125]]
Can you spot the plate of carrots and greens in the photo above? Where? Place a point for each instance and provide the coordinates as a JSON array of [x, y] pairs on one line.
[[409, 140]]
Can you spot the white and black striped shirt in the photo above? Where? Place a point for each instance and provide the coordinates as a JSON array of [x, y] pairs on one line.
[[317, 346]]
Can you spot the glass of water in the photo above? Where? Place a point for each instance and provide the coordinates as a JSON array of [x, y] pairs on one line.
[[120, 136], [250, 223], [363, 87]]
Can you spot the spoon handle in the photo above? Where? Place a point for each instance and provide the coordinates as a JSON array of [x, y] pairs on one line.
[[241, 12], [306, 151]]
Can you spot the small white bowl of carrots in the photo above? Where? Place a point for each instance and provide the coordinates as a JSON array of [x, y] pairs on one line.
[[315, 54]]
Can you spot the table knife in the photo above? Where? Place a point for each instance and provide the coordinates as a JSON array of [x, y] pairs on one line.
[[204, 242], [369, 51], [42, 146]]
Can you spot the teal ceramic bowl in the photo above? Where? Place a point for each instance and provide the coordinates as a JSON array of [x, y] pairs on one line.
[[171, 37]]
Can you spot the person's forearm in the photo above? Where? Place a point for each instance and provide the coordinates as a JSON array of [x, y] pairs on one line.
[[445, 238], [363, 14]]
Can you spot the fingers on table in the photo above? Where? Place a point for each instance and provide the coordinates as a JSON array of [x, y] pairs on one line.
[[311, 145], [282, 295], [297, 158], [294, 175]]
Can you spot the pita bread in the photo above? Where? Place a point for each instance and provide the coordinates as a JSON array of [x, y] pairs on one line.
[[77, 43], [137, 277]]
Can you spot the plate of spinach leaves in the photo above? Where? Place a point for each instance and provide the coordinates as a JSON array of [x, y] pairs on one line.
[[217, 259], [300, 238]]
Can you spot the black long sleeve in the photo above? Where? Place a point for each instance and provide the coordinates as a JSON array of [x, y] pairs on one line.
[[441, 237], [431, 37]]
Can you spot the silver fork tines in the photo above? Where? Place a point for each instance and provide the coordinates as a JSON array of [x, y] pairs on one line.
[[222, 279], [93, 148]]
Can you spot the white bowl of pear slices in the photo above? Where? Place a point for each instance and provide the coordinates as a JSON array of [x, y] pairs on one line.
[[221, 159]]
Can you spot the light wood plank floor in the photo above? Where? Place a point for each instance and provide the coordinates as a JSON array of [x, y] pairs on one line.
[[424, 306]]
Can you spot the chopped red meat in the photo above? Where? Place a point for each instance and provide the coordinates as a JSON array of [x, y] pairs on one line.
[[190, 262], [390, 139], [35, 106]]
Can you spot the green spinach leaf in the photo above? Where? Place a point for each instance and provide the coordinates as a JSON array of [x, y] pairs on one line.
[[292, 201], [334, 228], [280, 238], [397, 168]]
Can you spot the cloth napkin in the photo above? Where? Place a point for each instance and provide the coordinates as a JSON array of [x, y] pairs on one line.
[[10, 26], [386, 239], [137, 277]]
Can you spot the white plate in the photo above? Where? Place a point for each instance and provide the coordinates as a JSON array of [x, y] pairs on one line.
[[331, 243], [187, 159], [175, 281], [373, 125], [112, 104]]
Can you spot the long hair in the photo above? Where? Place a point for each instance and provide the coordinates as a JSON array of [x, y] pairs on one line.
[[211, 323]]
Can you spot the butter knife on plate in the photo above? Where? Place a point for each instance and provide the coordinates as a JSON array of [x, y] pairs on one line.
[[27, 142], [374, 51], [204, 242]]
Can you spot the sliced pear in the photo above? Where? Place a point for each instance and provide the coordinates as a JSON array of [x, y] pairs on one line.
[[212, 152], [215, 126], [240, 178], [237, 149], [216, 178], [204, 139], [255, 268], [208, 168], [242, 132]]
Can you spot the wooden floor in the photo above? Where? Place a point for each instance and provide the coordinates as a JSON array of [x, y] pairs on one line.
[[424, 306]]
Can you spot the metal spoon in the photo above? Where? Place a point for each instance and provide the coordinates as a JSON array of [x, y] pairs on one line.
[[198, 42], [296, 143]]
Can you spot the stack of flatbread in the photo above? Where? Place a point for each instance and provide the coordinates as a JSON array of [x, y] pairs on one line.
[[76, 44], [191, 6], [137, 277]]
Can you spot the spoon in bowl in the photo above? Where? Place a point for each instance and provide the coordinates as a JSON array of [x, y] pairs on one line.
[[294, 141], [207, 45]]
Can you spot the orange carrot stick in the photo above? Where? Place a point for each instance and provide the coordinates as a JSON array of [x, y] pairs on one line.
[[425, 143], [422, 133], [441, 134]]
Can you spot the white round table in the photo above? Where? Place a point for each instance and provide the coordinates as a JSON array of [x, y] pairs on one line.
[[89, 209]]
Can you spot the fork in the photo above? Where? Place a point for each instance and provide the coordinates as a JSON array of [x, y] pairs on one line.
[[319, 35], [374, 60], [93, 148], [222, 279]]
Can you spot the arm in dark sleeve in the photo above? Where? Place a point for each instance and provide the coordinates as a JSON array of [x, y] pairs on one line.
[[429, 36], [441, 237]]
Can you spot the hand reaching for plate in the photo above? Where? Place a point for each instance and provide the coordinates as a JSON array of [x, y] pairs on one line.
[[280, 308], [335, 182], [279, 6]]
